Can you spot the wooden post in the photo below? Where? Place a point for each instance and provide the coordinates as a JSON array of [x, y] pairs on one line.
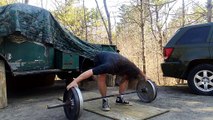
[[3, 89], [110, 80]]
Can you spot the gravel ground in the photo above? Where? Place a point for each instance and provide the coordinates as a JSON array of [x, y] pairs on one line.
[[31, 104]]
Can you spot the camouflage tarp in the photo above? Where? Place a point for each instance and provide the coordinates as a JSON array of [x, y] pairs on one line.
[[39, 25]]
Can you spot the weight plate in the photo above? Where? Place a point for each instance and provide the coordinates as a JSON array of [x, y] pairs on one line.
[[74, 99], [146, 91], [81, 100]]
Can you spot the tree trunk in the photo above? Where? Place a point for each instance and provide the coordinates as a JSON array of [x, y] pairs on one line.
[[183, 13], [26, 1], [42, 5], [142, 36], [109, 22], [85, 22], [209, 10], [108, 30]]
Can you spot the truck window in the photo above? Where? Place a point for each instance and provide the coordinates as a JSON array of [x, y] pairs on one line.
[[195, 36]]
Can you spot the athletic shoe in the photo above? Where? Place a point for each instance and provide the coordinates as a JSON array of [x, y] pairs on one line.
[[105, 105], [122, 101]]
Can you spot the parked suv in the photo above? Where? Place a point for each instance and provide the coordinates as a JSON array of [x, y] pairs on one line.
[[189, 55]]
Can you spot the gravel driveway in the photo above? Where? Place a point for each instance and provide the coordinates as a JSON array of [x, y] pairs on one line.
[[31, 104]]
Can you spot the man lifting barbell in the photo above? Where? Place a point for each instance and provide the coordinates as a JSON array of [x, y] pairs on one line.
[[111, 63]]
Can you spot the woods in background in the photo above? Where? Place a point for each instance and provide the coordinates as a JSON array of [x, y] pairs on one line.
[[147, 25], [140, 29]]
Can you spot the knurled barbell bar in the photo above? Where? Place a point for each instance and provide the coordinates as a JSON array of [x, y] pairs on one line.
[[73, 100]]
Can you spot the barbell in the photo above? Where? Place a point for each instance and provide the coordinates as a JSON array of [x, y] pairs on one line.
[[73, 100]]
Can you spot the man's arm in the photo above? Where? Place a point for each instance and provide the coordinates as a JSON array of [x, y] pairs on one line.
[[81, 77]]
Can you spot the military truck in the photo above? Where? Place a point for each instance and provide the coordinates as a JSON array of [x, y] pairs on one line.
[[30, 60], [33, 45]]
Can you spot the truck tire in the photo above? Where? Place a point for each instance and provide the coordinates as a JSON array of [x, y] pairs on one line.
[[200, 79]]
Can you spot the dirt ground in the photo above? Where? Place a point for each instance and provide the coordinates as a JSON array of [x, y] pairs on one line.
[[31, 104]]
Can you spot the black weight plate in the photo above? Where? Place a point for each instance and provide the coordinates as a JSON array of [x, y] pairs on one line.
[[146, 91], [75, 103]]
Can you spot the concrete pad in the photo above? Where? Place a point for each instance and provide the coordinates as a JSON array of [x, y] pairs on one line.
[[138, 111]]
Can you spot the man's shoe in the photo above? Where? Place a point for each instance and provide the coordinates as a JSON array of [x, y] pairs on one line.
[[105, 105], [122, 101]]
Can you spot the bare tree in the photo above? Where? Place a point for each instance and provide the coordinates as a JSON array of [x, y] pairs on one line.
[[109, 22], [108, 29], [85, 21], [136, 17], [141, 4], [158, 30], [26, 1], [183, 13], [157, 24], [41, 1], [209, 9]]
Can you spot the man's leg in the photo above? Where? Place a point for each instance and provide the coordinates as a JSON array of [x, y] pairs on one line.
[[122, 88], [102, 84], [103, 90]]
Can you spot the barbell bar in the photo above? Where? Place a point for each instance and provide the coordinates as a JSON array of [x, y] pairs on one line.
[[73, 100], [87, 100]]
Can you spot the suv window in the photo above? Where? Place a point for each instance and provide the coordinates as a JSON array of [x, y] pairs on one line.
[[195, 35]]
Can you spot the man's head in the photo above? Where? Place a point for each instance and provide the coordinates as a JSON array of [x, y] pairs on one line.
[[130, 70]]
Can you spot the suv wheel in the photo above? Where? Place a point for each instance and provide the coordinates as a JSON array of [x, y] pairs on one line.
[[200, 79]]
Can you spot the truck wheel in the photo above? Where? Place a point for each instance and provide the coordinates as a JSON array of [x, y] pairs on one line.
[[200, 79]]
